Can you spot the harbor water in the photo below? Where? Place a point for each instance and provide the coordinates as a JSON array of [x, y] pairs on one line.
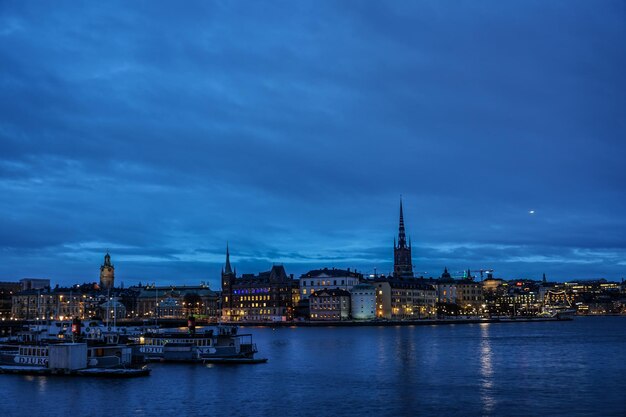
[[575, 368]]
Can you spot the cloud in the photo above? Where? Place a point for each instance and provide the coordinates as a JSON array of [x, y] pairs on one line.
[[290, 130]]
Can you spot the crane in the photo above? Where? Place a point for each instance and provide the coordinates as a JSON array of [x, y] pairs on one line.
[[481, 271]]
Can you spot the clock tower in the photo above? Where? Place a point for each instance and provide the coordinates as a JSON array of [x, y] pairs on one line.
[[107, 273]]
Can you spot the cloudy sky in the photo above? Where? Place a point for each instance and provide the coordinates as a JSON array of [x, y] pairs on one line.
[[290, 129]]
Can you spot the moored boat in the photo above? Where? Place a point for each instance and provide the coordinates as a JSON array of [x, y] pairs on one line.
[[37, 353], [217, 344]]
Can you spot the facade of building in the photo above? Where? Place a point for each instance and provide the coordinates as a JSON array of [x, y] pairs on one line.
[[176, 302], [363, 302], [383, 299], [57, 303], [402, 262], [494, 285], [326, 278], [263, 297], [330, 304], [446, 288], [405, 298], [470, 297], [107, 273]]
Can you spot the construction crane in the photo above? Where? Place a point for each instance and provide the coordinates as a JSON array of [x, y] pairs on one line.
[[481, 271]]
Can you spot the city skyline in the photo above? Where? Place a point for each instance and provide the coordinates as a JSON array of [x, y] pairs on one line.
[[289, 130]]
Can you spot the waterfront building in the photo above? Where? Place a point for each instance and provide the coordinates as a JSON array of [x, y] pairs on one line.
[[295, 300], [402, 262], [178, 302], [170, 308], [328, 278], [363, 302], [263, 297], [446, 288], [107, 273], [383, 299], [46, 303], [405, 298], [522, 302], [494, 293], [470, 297], [330, 304]]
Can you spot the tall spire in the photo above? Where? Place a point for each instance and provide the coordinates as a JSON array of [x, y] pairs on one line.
[[401, 232], [402, 265], [227, 268]]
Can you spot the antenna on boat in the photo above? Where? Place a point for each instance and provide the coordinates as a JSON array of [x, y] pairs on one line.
[[108, 307], [156, 302], [115, 315]]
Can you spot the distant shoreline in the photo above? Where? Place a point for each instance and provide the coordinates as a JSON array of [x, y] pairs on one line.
[[393, 323], [170, 323]]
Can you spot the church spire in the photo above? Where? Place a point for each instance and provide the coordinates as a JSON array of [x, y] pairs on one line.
[[402, 265], [227, 267], [401, 232]]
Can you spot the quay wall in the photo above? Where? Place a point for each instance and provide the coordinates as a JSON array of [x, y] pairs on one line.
[[171, 323]]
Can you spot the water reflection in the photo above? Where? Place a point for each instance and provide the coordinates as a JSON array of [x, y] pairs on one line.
[[460, 370], [42, 382], [486, 370]]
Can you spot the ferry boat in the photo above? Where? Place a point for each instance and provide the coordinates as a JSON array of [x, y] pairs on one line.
[[36, 352], [105, 356], [558, 312], [561, 310], [91, 331], [221, 344]]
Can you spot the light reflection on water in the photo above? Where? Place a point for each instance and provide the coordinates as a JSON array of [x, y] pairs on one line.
[[486, 370], [573, 369]]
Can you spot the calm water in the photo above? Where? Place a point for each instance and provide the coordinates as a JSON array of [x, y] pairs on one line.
[[556, 369]]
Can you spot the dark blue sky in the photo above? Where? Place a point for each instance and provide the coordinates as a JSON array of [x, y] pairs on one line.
[[289, 129]]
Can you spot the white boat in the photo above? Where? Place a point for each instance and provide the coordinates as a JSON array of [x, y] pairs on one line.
[[561, 309], [212, 344], [558, 312], [50, 348]]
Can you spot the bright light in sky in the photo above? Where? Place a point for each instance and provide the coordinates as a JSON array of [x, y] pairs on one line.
[[532, 212]]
